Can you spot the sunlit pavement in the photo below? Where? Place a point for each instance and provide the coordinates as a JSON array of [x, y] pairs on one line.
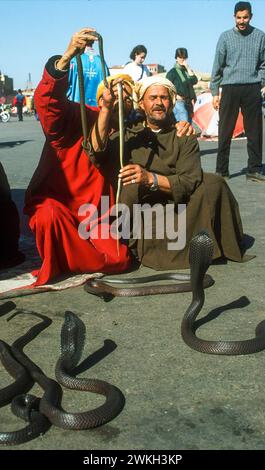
[[176, 398]]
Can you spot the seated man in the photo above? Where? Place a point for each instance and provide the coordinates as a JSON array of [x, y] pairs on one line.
[[65, 179], [162, 168]]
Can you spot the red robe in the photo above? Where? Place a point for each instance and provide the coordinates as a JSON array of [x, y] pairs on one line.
[[64, 180]]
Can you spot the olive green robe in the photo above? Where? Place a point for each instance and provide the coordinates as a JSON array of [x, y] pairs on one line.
[[210, 204]]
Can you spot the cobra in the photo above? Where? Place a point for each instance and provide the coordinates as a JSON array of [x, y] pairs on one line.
[[201, 248]]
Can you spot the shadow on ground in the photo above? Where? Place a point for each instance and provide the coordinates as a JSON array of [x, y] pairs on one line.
[[13, 143]]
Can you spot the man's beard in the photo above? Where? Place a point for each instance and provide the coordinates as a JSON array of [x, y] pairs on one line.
[[163, 122], [245, 31]]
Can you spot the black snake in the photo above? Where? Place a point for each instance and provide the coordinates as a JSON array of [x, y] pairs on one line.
[[23, 406], [201, 248], [85, 130], [42, 412], [105, 288]]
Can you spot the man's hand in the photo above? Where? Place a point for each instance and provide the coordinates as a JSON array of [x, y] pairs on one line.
[[77, 45], [110, 94], [131, 174], [216, 102], [184, 128]]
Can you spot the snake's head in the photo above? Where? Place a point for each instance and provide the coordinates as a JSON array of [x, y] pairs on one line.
[[72, 338], [201, 252]]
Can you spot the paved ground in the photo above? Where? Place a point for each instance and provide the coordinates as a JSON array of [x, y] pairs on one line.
[[176, 398]]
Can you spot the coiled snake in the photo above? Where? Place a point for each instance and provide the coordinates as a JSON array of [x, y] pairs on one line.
[[26, 406], [42, 412], [201, 249]]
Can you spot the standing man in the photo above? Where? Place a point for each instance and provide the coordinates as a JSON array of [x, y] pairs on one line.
[[19, 101], [239, 68]]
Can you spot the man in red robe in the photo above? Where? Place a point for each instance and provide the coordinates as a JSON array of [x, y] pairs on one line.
[[66, 179]]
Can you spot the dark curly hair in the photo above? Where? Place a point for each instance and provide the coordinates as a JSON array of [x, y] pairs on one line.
[[241, 6], [138, 50]]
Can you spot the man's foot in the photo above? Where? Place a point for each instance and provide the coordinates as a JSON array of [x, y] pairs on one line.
[[226, 176], [258, 177]]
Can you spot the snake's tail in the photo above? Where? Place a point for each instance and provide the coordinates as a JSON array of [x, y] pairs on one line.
[[26, 407], [121, 145], [38, 425], [82, 102], [117, 216]]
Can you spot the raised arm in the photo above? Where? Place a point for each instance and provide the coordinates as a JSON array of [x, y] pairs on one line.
[[56, 113], [107, 105]]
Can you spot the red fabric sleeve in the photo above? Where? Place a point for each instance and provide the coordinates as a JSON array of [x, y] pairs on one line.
[[59, 117]]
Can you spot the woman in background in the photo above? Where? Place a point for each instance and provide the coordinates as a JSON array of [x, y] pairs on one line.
[[183, 78], [136, 69]]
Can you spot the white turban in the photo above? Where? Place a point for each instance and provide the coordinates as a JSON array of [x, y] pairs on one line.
[[141, 87]]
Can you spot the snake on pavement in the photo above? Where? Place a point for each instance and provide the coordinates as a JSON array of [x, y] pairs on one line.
[[41, 413], [201, 248]]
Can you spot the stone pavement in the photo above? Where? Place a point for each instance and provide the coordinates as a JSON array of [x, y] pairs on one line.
[[176, 398]]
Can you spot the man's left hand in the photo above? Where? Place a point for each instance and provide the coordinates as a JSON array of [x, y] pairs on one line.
[[184, 128], [131, 174]]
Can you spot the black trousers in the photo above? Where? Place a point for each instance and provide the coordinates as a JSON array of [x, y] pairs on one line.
[[20, 112], [248, 98]]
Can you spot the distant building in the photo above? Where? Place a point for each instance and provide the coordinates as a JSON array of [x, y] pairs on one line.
[[153, 68], [115, 69], [203, 81], [6, 85], [203, 84]]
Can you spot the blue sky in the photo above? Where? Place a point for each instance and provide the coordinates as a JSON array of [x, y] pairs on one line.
[[33, 30]]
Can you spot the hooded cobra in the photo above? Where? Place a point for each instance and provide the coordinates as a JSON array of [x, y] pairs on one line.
[[201, 249], [48, 409]]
